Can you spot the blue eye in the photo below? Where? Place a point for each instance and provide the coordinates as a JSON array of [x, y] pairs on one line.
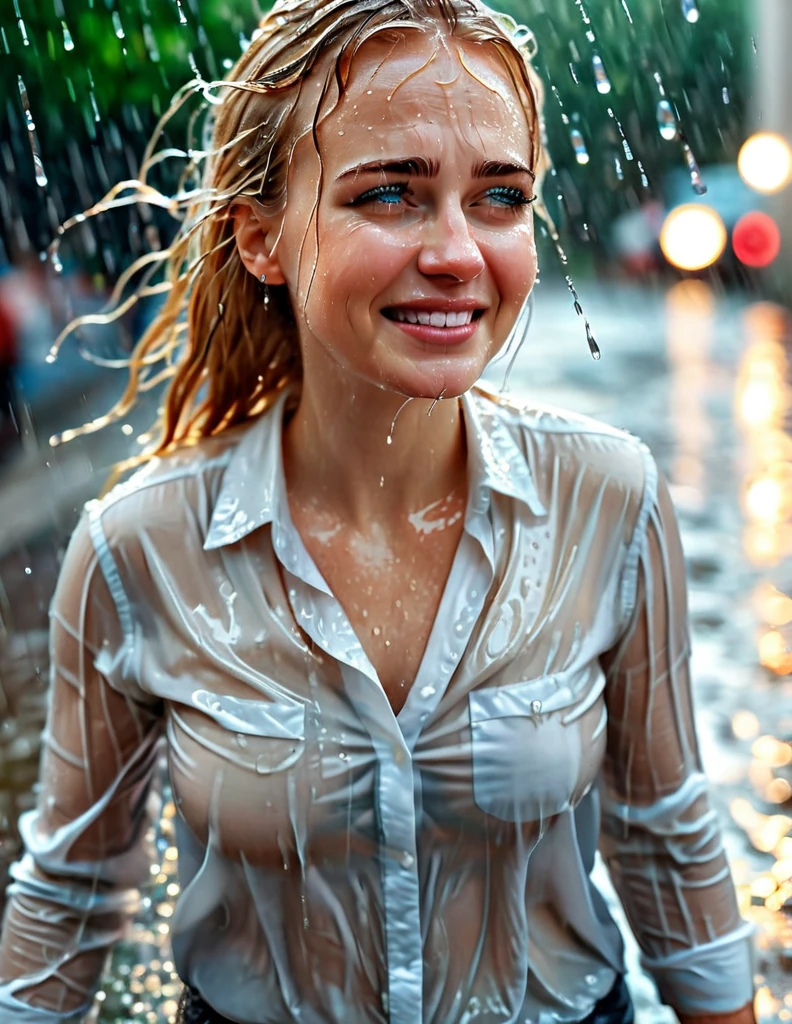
[[508, 195], [388, 195]]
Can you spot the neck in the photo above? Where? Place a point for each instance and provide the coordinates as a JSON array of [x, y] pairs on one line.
[[369, 456]]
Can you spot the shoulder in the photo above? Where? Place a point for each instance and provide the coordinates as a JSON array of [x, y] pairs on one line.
[[169, 492], [561, 443]]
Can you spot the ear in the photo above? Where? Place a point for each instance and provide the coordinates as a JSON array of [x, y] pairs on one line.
[[255, 236]]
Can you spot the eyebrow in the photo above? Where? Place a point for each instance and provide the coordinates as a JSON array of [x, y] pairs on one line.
[[420, 167]]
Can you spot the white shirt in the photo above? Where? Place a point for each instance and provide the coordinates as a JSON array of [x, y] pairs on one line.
[[340, 863]]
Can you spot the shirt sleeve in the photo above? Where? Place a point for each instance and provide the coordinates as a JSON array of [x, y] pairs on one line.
[[85, 850], [660, 834]]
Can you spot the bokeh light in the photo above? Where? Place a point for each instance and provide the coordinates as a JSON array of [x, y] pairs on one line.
[[756, 239], [765, 162], [693, 237]]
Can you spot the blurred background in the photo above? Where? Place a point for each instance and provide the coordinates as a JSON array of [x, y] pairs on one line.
[[669, 123]]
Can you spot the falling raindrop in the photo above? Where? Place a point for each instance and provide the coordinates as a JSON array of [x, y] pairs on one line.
[[182, 15], [627, 11], [691, 11], [618, 167], [625, 144], [726, 96], [41, 177], [600, 75], [666, 121], [21, 24], [68, 42], [592, 341], [579, 146], [695, 172], [117, 26]]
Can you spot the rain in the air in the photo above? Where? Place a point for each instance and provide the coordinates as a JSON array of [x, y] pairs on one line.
[[396, 511]]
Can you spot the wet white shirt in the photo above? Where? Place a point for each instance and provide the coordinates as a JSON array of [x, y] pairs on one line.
[[343, 864]]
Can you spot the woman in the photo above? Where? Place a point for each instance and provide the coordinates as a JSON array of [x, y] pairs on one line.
[[407, 643]]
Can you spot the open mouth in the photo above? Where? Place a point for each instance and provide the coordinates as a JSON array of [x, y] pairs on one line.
[[433, 318]]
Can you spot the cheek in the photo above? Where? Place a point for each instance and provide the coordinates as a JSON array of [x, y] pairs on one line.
[[359, 261], [514, 268]]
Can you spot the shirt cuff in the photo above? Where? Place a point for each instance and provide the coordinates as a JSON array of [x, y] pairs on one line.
[[714, 978]]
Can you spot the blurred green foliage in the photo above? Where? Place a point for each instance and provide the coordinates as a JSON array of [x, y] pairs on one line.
[[97, 74]]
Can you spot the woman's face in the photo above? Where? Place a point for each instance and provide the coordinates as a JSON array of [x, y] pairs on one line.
[[409, 263]]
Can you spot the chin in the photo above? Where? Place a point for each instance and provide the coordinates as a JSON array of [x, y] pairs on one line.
[[446, 377]]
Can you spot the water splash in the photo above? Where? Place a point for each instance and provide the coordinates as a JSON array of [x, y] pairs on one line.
[[601, 75], [695, 172], [579, 146], [666, 121], [30, 124], [592, 341], [690, 11]]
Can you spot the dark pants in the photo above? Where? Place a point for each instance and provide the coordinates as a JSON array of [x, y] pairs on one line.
[[614, 1008]]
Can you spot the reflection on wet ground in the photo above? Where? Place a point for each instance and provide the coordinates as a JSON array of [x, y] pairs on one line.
[[704, 379]]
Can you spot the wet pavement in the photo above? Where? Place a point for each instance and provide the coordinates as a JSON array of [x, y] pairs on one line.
[[705, 379]]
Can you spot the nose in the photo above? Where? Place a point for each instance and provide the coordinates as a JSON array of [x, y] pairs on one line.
[[449, 248]]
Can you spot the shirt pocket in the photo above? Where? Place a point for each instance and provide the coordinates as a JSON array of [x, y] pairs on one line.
[[525, 747]]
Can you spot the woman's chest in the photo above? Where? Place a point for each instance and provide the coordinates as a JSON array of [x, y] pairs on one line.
[[286, 783]]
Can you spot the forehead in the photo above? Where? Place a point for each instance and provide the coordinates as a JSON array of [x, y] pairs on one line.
[[412, 85]]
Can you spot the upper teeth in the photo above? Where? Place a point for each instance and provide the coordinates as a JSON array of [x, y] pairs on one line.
[[412, 316]]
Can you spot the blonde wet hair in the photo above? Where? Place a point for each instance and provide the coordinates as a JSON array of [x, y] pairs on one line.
[[227, 354]]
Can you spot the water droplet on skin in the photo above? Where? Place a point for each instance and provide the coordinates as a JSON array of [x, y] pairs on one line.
[[376, 631], [666, 121], [690, 11], [600, 75], [241, 740]]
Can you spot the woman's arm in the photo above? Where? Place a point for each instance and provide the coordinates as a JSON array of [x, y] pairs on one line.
[[73, 890], [660, 835]]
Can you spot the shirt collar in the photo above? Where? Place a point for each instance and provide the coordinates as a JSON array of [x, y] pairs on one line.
[[253, 480]]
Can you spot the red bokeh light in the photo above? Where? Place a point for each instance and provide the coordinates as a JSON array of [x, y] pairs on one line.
[[756, 239]]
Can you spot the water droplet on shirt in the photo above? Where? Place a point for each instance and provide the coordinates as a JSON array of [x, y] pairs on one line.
[[428, 691], [407, 860]]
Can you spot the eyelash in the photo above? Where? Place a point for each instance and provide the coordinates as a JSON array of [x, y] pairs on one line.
[[516, 196]]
